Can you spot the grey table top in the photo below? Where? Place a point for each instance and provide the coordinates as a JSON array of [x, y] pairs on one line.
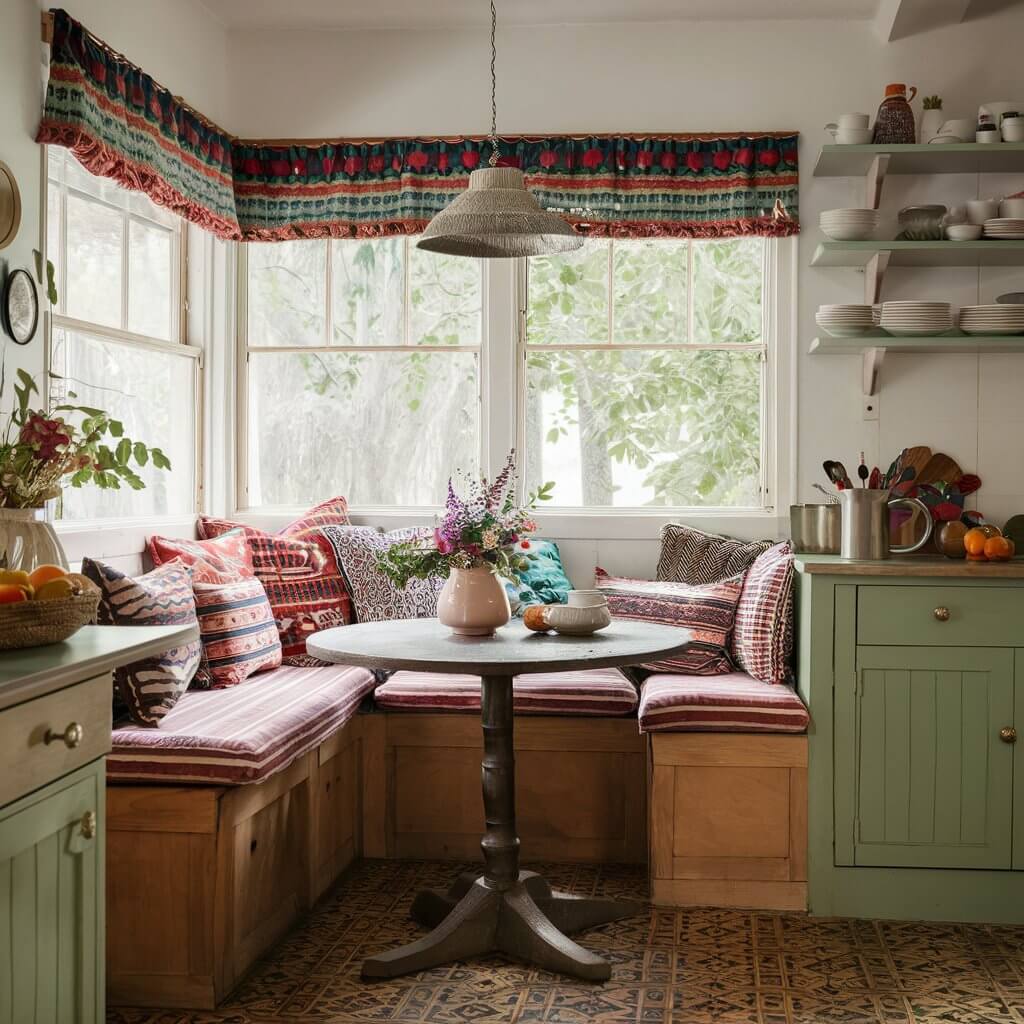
[[424, 645]]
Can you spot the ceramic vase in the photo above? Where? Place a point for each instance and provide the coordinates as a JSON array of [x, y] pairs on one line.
[[28, 540], [473, 602], [931, 122]]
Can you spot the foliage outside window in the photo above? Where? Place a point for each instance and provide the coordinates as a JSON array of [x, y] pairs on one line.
[[363, 367], [645, 373], [116, 332]]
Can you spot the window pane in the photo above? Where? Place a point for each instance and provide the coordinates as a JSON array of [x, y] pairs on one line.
[[445, 299], [640, 428], [53, 239], [727, 285], [650, 291], [286, 293], [369, 291], [383, 428], [568, 297], [150, 280], [94, 243], [154, 397]]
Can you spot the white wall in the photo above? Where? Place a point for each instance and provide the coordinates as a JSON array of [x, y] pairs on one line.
[[691, 76]]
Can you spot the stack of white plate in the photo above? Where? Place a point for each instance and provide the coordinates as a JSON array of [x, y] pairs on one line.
[[1004, 227], [916, 318], [849, 225], [844, 320], [995, 318]]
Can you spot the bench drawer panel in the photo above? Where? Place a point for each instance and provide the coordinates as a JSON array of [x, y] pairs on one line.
[[946, 616]]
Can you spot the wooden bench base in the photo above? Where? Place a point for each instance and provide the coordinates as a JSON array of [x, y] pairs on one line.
[[728, 820]]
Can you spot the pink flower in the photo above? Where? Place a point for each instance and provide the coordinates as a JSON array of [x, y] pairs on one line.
[[446, 547]]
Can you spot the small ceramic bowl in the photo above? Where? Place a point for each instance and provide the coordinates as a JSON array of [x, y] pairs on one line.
[[964, 232]]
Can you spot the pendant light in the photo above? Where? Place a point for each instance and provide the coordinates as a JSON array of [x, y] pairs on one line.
[[497, 217]]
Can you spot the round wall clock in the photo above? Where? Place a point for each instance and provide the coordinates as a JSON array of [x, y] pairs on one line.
[[10, 206], [20, 306]]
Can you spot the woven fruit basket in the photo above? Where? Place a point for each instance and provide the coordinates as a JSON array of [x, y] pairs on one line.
[[35, 623]]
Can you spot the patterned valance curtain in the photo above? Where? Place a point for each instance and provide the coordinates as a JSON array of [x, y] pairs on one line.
[[122, 125]]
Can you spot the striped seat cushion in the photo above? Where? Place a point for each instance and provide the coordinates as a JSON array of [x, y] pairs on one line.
[[595, 692], [244, 733], [729, 703]]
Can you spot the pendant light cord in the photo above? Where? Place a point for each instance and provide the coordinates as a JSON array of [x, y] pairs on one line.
[[493, 161]]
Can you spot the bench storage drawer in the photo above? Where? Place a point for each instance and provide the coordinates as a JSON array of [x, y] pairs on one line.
[[940, 616]]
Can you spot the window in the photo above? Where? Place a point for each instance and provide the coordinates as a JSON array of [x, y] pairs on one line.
[[646, 373], [363, 366], [116, 332]]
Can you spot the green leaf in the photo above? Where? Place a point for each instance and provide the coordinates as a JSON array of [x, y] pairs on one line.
[[141, 453], [115, 427], [123, 452], [159, 459]]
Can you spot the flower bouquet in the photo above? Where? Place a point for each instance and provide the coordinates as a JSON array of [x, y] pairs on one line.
[[473, 544]]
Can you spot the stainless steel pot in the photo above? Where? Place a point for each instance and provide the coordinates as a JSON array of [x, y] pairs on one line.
[[866, 523], [815, 529]]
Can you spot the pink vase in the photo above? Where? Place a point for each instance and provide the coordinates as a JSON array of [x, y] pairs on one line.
[[473, 602]]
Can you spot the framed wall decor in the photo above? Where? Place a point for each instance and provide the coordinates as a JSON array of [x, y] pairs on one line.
[[10, 206], [20, 306]]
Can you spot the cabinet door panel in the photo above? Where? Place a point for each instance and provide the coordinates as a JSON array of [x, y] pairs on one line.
[[932, 781]]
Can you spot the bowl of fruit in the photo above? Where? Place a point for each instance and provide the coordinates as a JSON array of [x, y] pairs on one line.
[[44, 606]]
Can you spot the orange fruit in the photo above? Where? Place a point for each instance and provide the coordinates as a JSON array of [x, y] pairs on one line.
[[44, 573], [56, 590], [11, 593], [998, 549], [974, 543]]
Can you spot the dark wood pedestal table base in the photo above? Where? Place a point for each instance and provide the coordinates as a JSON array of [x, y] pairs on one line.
[[504, 909]]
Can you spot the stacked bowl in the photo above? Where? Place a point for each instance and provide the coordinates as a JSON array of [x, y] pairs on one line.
[[844, 320], [911, 319], [849, 225], [994, 318]]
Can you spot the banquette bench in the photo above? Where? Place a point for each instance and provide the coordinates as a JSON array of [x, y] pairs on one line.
[[231, 819]]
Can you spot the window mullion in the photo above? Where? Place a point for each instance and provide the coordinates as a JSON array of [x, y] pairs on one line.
[[125, 268], [329, 294]]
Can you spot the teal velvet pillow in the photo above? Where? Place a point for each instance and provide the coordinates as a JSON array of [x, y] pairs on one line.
[[544, 582]]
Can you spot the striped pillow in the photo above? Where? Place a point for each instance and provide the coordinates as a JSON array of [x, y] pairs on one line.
[[694, 557], [238, 632], [223, 558], [163, 597], [762, 640], [708, 612]]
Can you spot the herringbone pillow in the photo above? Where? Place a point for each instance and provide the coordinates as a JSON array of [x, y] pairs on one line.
[[698, 558]]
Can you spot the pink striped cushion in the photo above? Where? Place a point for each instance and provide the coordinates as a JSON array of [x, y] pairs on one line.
[[602, 691], [244, 733], [762, 639], [730, 703]]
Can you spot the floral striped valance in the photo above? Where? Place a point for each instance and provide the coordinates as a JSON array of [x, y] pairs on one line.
[[121, 124]]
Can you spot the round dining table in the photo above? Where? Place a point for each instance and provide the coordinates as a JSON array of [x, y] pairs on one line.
[[504, 908]]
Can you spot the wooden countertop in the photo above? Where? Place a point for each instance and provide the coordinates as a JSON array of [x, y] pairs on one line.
[[910, 566], [92, 651]]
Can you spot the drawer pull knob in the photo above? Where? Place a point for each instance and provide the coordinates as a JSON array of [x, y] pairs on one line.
[[88, 825], [941, 613], [1008, 734], [70, 737]]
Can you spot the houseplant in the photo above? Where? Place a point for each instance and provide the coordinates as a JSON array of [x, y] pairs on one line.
[[40, 454], [473, 544], [932, 119]]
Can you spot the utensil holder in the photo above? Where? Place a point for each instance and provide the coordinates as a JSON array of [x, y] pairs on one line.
[[865, 524], [815, 529]]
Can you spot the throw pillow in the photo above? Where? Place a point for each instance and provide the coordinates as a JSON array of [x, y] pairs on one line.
[[762, 640], [237, 630], [374, 596], [226, 557], [708, 611], [151, 687], [545, 581], [694, 557]]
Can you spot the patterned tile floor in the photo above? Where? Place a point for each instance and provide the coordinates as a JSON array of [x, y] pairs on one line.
[[669, 967]]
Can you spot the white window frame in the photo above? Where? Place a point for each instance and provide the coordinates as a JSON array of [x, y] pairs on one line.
[[502, 397], [177, 345]]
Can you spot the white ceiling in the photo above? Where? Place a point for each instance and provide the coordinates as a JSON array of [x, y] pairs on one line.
[[354, 14]]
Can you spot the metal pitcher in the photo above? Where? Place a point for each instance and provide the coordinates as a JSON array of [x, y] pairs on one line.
[[865, 530]]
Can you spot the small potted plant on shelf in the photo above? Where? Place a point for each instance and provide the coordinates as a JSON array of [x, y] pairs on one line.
[[932, 118], [474, 544]]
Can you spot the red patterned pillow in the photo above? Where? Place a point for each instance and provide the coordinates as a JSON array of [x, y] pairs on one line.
[[708, 611], [238, 632], [762, 641], [298, 569], [227, 557]]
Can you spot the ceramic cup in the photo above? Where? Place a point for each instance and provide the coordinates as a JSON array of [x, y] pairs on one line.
[[959, 127], [1012, 206], [854, 136], [1013, 129], [587, 599], [981, 210], [854, 122]]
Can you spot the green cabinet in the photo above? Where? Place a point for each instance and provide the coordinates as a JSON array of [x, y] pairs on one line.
[[922, 777], [51, 864]]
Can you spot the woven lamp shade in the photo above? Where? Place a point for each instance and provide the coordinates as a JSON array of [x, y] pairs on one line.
[[498, 218]]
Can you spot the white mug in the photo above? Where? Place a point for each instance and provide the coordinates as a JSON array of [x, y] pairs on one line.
[[981, 210], [853, 121], [960, 127], [1012, 206]]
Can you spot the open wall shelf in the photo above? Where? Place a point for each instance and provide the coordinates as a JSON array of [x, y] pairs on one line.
[[824, 346], [983, 253], [954, 158]]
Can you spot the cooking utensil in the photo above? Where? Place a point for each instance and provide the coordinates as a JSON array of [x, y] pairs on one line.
[[815, 529], [865, 529], [836, 472], [862, 471], [939, 467], [831, 498], [968, 483], [875, 479], [895, 468], [916, 458]]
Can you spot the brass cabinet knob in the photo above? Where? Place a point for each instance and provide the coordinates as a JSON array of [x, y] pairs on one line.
[[88, 825], [70, 737], [941, 613], [1008, 734]]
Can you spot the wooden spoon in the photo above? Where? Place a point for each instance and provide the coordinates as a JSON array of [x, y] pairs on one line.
[[939, 467], [917, 458]]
